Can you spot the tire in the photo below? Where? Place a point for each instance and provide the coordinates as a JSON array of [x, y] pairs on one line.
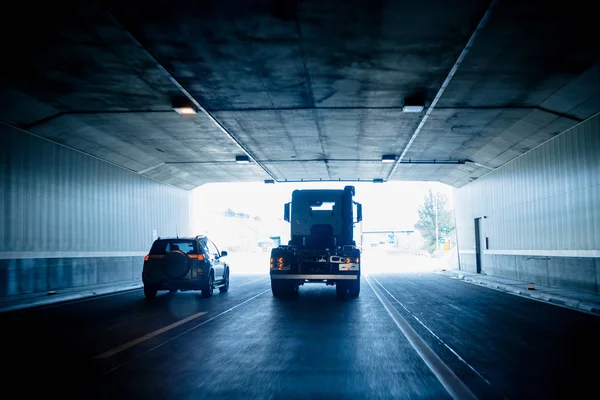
[[283, 289], [293, 290], [225, 287], [150, 292], [354, 288], [208, 292], [341, 289], [277, 288], [173, 290]]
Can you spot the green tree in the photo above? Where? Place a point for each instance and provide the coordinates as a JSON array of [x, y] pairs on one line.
[[427, 215]]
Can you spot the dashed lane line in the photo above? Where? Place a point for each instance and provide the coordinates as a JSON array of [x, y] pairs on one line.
[[118, 349], [142, 339], [186, 331]]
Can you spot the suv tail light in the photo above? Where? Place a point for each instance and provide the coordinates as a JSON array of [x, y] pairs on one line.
[[198, 257], [147, 257]]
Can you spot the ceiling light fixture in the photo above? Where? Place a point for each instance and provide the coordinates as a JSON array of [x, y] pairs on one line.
[[242, 159], [415, 103], [412, 108], [388, 158], [185, 111], [183, 106]]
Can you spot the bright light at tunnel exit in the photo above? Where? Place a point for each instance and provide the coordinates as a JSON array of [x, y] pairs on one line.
[[246, 219]]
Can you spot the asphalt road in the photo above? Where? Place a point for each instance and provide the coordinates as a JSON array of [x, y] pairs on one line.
[[247, 344]]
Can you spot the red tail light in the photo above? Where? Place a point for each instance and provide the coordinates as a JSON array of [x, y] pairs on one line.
[[147, 257], [199, 257]]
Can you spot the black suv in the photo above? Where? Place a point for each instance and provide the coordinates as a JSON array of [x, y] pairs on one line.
[[185, 264]]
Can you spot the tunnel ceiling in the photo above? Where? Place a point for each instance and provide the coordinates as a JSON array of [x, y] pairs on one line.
[[309, 90]]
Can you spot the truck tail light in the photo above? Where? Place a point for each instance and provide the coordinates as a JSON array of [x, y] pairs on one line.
[[348, 260], [357, 260]]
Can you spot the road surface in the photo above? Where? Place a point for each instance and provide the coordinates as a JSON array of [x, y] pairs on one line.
[[247, 344]]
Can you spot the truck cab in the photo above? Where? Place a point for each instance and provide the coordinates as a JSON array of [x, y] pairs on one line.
[[322, 248]]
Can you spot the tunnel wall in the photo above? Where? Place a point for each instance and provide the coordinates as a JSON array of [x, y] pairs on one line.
[[540, 213], [71, 220]]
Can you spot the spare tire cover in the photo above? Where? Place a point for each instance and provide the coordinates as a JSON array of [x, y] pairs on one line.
[[176, 265]]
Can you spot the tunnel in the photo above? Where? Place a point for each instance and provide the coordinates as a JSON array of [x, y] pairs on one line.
[[114, 114]]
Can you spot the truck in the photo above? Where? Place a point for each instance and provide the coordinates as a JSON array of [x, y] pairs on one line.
[[321, 248]]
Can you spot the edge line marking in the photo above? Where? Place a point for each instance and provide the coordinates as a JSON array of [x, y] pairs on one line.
[[453, 385]]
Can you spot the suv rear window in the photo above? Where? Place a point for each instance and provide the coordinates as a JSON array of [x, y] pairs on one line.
[[167, 245]]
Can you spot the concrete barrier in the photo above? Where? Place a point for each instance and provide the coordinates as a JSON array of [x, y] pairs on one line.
[[31, 275]]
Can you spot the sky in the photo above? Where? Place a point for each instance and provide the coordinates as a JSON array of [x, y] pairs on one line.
[[390, 205]]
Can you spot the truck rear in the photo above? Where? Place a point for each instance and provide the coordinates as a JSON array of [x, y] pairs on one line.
[[322, 248]]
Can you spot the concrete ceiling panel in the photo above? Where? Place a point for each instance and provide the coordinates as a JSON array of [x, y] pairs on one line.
[[419, 172], [301, 83], [299, 170], [189, 176], [455, 134], [575, 93], [526, 53], [366, 56], [358, 170], [275, 135]]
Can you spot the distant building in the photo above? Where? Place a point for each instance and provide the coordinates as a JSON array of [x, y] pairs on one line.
[[388, 238]]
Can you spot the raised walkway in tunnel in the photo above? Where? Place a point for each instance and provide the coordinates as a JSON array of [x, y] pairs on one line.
[[582, 301]]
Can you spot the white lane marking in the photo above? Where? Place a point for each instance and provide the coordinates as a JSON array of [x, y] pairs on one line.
[[186, 331], [433, 334], [118, 349], [453, 385], [150, 335]]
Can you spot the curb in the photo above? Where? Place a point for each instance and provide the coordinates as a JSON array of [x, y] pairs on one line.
[[78, 296], [549, 298]]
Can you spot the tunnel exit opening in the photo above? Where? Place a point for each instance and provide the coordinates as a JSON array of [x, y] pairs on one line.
[[397, 233]]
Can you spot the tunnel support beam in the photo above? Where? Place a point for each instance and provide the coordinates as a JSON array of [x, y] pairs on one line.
[[445, 84], [187, 94]]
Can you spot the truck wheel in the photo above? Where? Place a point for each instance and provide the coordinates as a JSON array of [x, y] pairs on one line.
[[284, 289], [150, 292], [341, 289], [293, 290], [277, 288], [354, 288], [206, 293]]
